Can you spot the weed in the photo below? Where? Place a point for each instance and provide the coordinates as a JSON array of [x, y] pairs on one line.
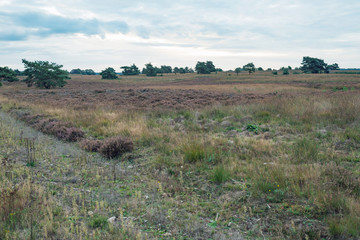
[[194, 152], [305, 150], [253, 128], [98, 221], [220, 174]]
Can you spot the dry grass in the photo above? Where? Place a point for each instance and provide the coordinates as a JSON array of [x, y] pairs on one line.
[[203, 173]]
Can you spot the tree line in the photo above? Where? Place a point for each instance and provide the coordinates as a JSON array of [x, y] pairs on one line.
[[44, 74]]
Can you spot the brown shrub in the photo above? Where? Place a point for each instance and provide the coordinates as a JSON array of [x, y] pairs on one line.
[[90, 145], [61, 130], [115, 147]]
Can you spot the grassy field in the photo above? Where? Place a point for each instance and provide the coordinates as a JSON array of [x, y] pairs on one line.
[[220, 156]]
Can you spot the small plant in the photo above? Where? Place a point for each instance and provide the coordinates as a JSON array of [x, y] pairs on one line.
[[194, 152], [305, 150], [253, 128], [220, 174], [98, 221]]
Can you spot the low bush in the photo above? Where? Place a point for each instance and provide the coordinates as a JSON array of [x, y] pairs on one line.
[[90, 145], [61, 130], [115, 147]]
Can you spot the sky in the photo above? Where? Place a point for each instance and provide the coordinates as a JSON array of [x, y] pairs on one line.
[[113, 33]]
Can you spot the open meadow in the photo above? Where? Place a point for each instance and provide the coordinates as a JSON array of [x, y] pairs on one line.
[[212, 156]]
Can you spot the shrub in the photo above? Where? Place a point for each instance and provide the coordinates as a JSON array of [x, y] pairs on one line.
[[115, 147], [98, 222], [61, 130], [90, 145]]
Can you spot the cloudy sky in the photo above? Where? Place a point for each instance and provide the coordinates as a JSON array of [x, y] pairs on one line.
[[98, 34]]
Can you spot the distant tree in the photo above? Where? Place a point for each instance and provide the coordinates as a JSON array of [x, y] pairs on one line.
[[289, 67], [260, 69], [166, 69], [250, 67], [238, 70], [201, 68], [76, 71], [108, 73], [176, 70], [313, 65], [43, 74], [210, 66], [89, 72], [334, 66], [269, 69], [286, 71], [275, 73], [130, 70], [7, 74], [205, 67], [18, 72], [189, 70], [150, 70], [218, 70]]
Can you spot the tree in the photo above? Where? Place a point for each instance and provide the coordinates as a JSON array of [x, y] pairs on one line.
[[260, 69], [285, 71], [76, 71], [108, 73], [334, 66], [89, 72], [166, 69], [43, 74], [176, 70], [150, 70], [210, 66], [238, 70], [250, 67], [132, 70], [7, 74], [313, 65]]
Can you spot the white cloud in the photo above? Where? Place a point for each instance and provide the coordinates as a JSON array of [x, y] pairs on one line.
[[229, 32]]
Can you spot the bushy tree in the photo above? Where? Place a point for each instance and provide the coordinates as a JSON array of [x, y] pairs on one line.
[[83, 72], [89, 72], [238, 70], [250, 67], [43, 74], [130, 70], [210, 66], [205, 67], [313, 65], [334, 66], [108, 73], [201, 68], [260, 69], [166, 69], [76, 71], [285, 71], [7, 74], [150, 70]]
